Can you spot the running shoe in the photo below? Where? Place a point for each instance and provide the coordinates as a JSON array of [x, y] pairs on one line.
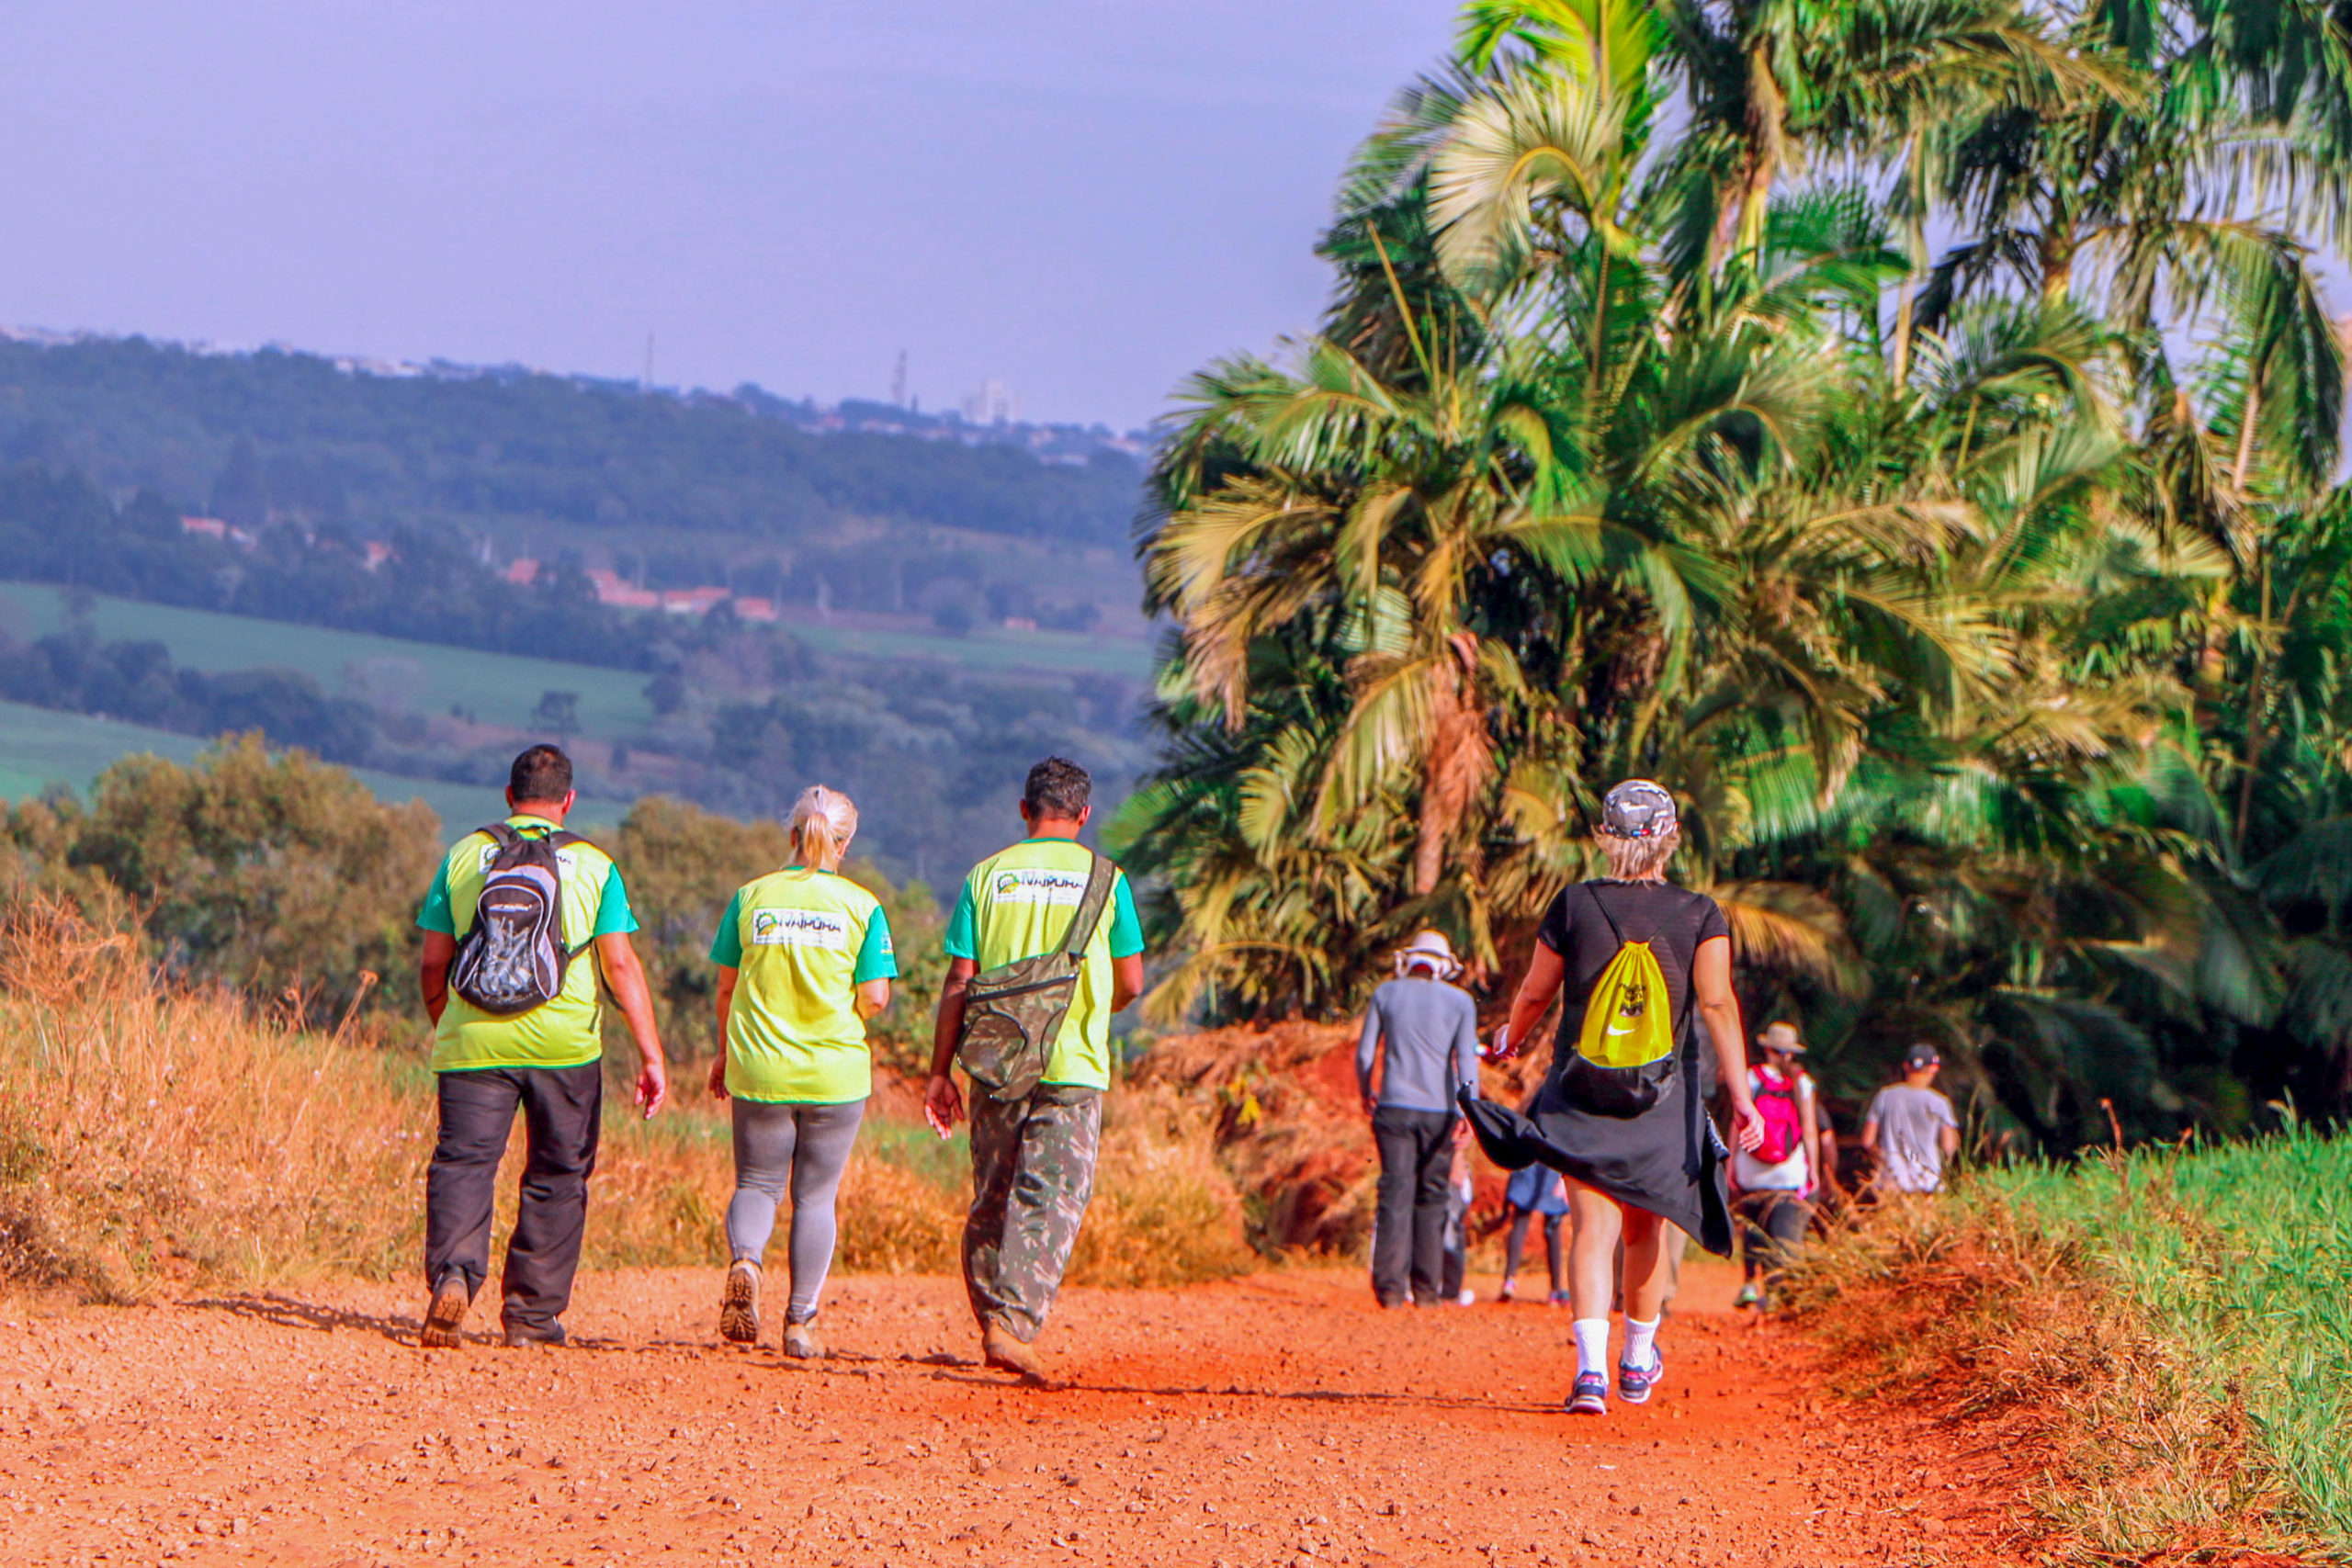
[[800, 1342], [738, 1309], [1634, 1384], [1748, 1296], [1510, 1288], [1557, 1299], [1592, 1396]]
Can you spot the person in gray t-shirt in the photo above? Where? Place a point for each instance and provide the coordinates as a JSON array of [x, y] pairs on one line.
[[1429, 1033], [1910, 1128]]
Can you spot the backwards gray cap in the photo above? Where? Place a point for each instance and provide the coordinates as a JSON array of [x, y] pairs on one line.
[[1637, 809]]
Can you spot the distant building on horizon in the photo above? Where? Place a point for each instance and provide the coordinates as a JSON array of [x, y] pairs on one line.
[[994, 403]]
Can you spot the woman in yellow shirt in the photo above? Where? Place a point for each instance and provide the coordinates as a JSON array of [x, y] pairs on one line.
[[804, 959]]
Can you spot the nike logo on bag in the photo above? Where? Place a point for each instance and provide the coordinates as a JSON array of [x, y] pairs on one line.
[[1627, 1030]]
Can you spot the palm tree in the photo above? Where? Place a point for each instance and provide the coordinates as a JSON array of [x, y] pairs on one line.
[[1993, 645]]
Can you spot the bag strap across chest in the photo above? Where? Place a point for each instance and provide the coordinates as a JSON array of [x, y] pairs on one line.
[[1091, 905]]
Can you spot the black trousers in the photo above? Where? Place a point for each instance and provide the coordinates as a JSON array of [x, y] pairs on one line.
[[1409, 1241], [1515, 1244], [1773, 1226], [560, 1110]]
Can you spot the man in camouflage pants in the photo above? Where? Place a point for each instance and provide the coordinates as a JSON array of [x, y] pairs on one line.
[[1033, 1158], [1033, 1171]]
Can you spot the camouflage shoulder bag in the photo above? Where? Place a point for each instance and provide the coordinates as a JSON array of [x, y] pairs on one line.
[[1013, 1012]]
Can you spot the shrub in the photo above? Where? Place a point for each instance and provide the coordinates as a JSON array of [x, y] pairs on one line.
[[158, 1135]]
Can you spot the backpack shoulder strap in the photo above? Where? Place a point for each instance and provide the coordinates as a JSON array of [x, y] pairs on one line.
[[1091, 904], [502, 834], [1592, 891]]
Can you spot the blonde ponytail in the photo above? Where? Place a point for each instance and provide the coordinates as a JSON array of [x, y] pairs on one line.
[[824, 822]]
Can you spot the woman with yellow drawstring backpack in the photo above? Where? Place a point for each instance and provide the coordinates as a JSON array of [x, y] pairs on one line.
[[1646, 965]]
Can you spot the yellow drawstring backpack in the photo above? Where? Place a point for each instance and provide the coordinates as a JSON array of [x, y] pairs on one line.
[[1624, 1052]]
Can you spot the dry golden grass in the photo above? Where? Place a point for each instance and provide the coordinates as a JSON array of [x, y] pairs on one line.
[[152, 1138], [1164, 1213], [148, 1134], [2126, 1453]]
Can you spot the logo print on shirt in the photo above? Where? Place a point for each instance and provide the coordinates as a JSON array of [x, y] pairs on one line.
[[1039, 886], [798, 928]]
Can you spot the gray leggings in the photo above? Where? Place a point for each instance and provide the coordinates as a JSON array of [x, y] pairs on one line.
[[808, 1146]]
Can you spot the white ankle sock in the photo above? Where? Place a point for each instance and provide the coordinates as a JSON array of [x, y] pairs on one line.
[[1593, 1344], [1641, 1342]]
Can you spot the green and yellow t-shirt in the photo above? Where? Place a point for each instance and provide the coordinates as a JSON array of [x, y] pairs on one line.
[[567, 1031], [801, 942], [1017, 904]]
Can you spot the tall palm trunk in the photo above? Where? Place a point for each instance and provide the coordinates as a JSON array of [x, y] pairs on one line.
[[2212, 663], [1916, 248], [1740, 226], [1459, 757], [2057, 264]]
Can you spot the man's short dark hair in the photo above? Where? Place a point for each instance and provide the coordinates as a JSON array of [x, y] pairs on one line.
[[543, 772], [1058, 790]]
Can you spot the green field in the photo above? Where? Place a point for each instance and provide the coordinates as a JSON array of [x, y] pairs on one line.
[[992, 648], [497, 688], [501, 688], [39, 748], [2241, 1255]]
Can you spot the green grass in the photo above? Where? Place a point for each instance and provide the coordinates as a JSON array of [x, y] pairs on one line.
[[501, 688], [498, 688], [991, 649], [2240, 1254], [39, 747]]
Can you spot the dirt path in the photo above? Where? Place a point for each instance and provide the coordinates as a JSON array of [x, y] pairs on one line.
[[1277, 1420]]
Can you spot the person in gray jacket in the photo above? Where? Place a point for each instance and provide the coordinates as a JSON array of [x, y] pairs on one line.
[[1430, 1030]]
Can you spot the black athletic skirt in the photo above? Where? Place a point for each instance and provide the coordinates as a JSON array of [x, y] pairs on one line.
[[1668, 1159]]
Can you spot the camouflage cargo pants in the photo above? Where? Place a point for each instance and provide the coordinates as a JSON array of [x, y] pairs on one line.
[[1033, 1171]]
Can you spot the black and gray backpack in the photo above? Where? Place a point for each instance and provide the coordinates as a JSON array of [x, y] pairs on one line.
[[514, 958]]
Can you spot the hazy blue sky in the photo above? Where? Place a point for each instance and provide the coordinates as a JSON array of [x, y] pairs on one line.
[[1085, 200]]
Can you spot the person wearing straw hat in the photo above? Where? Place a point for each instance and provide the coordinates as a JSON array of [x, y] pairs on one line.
[[1423, 1031], [1775, 1182]]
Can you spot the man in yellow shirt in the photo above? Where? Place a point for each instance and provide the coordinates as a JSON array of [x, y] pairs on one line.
[[1033, 1158], [547, 1059]]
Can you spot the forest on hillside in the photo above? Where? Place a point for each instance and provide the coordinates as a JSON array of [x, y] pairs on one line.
[[371, 504], [1910, 431], [274, 434]]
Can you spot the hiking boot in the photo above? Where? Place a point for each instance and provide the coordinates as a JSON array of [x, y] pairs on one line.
[[519, 1334], [739, 1308], [444, 1319], [1748, 1296], [800, 1342], [1590, 1397], [1634, 1384], [1006, 1354]]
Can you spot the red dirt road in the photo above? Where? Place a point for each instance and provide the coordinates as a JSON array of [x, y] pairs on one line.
[[1278, 1420]]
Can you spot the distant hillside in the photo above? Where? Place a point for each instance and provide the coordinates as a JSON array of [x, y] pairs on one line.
[[281, 436]]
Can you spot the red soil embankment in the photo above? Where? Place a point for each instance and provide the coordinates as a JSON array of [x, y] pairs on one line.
[[1291, 1127]]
